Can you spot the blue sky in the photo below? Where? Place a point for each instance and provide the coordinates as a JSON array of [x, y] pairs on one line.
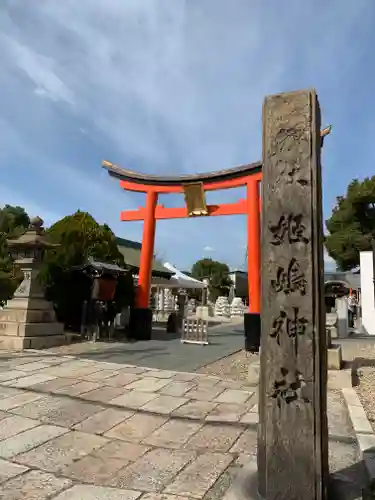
[[172, 86]]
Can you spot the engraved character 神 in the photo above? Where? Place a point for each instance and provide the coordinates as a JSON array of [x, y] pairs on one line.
[[293, 326]]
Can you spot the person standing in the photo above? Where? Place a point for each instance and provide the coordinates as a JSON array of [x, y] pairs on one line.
[[352, 308]]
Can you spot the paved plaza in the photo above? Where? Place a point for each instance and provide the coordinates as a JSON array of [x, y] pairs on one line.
[[79, 429], [165, 351]]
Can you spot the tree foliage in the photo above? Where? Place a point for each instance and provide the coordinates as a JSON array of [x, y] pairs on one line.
[[79, 237], [13, 222], [351, 226], [217, 274]]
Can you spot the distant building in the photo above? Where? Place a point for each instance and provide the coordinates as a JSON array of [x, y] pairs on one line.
[[131, 250], [239, 280]]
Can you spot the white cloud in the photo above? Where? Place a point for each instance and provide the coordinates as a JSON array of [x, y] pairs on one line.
[[208, 249], [39, 68], [161, 87]]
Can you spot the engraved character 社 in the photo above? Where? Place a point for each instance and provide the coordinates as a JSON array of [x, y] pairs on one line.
[[290, 280], [291, 227], [288, 387]]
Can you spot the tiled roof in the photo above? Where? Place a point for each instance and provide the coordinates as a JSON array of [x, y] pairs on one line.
[[131, 250]]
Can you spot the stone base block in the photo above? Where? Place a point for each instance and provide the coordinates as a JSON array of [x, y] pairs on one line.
[[253, 374], [29, 303], [13, 343], [27, 316], [252, 327], [204, 312], [140, 324], [334, 357], [30, 329]]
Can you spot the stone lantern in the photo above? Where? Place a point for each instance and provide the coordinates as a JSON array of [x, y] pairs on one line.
[[28, 320]]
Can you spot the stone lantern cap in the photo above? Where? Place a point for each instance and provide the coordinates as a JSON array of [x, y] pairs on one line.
[[34, 237]]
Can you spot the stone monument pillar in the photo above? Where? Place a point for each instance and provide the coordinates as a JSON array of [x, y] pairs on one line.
[[28, 320], [293, 432], [342, 317]]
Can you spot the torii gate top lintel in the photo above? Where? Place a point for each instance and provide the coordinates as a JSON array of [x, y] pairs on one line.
[[221, 179]]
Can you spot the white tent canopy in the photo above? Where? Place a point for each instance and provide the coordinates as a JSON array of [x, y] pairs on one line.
[[178, 280]]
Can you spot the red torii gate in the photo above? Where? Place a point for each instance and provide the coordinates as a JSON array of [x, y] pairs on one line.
[[245, 175]]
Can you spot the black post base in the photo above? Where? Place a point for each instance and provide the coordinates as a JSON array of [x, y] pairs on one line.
[[252, 332], [140, 324]]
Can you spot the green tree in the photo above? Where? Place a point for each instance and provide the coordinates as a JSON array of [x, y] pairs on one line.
[[13, 222], [217, 274], [79, 237], [351, 226]]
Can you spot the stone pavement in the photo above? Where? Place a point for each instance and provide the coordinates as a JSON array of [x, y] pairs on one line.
[[73, 429]]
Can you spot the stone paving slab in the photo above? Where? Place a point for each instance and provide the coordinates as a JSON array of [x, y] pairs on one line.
[[132, 433], [29, 439], [88, 492], [34, 485], [9, 470], [54, 455]]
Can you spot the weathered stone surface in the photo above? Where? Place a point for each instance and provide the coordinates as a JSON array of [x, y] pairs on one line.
[[162, 496], [135, 370], [164, 404], [186, 377], [251, 418], [103, 395], [89, 492], [160, 373], [78, 388], [101, 375], [103, 421], [136, 428], [34, 366], [153, 471], [204, 393], [233, 396], [226, 412], [101, 466], [72, 369], [29, 380], [34, 485], [195, 409], [292, 400], [19, 400], [11, 375], [173, 434], [14, 425], [3, 415], [58, 411], [198, 477], [57, 453], [29, 439], [52, 385], [7, 392], [148, 384], [121, 380], [9, 470], [178, 388], [247, 443], [134, 399], [214, 437]]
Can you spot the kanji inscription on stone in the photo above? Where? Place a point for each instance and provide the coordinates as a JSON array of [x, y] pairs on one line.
[[292, 431], [290, 279]]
